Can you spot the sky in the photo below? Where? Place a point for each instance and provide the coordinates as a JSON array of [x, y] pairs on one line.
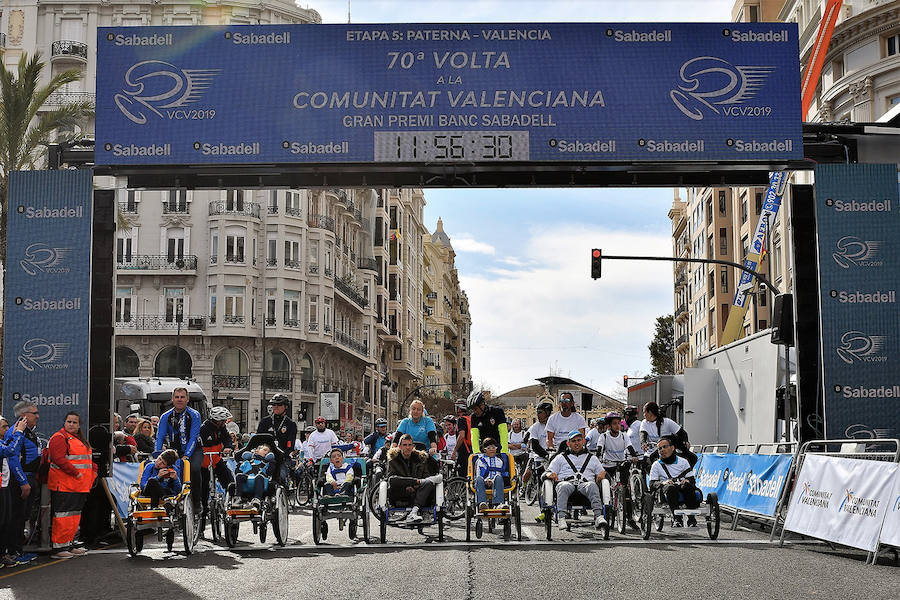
[[523, 254]]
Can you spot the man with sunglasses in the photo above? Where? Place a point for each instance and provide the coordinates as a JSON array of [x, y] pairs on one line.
[[675, 477], [561, 423], [23, 487]]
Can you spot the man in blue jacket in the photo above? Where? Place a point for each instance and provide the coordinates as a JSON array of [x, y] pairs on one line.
[[179, 429], [23, 487]]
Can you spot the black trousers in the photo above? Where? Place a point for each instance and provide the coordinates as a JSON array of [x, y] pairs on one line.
[[155, 491], [5, 529], [674, 492], [20, 511], [223, 474], [423, 496]]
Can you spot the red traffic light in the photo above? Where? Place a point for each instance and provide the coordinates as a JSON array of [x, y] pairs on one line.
[[596, 253], [596, 257]]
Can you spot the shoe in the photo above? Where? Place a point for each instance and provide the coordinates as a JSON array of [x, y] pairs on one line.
[[540, 517], [169, 506], [599, 522], [62, 555], [564, 518], [413, 517], [24, 559], [255, 503], [7, 561], [692, 521], [677, 522], [78, 551], [503, 506], [482, 506]]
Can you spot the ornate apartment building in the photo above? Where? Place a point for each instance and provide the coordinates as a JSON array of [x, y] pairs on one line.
[[251, 292]]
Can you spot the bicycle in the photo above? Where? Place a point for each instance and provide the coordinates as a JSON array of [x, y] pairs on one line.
[[215, 507], [533, 486], [637, 487], [455, 491], [301, 485]]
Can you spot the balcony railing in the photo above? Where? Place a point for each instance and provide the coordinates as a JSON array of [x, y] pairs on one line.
[[308, 386], [272, 209], [278, 380], [369, 264], [682, 339], [329, 272], [313, 269], [172, 208], [2, 40], [327, 328], [66, 98], [431, 295], [233, 319], [347, 341], [128, 208], [237, 259], [162, 323], [351, 293], [68, 48], [340, 194], [229, 207], [152, 262], [450, 348], [271, 262], [293, 212], [313, 326], [231, 382], [321, 221], [682, 309], [292, 322]]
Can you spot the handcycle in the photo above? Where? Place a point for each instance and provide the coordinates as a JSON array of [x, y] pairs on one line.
[[178, 519], [273, 510], [505, 513], [579, 509], [350, 510], [394, 513], [655, 510]]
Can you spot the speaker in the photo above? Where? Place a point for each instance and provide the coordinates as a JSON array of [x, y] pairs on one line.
[[102, 298], [783, 320], [587, 402]]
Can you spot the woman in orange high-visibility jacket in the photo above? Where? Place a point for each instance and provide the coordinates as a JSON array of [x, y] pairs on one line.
[[71, 475]]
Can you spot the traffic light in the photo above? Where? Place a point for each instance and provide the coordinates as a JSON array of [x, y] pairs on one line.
[[625, 381], [596, 257]]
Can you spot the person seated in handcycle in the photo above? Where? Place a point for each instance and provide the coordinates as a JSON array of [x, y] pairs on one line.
[[162, 478], [490, 471], [575, 469], [673, 478], [255, 474], [412, 476], [339, 476]]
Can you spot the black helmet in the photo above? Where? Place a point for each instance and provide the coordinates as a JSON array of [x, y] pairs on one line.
[[547, 407], [474, 399], [279, 399], [381, 423], [630, 410]]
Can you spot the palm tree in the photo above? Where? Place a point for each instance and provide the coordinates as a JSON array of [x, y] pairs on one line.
[[24, 133]]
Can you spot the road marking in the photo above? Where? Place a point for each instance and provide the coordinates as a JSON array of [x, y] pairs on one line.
[[34, 568]]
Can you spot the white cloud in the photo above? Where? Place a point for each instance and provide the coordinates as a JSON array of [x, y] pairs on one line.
[[466, 243], [551, 314]]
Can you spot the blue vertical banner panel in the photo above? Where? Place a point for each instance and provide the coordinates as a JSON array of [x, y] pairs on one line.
[[858, 226], [473, 93], [745, 481], [46, 329]]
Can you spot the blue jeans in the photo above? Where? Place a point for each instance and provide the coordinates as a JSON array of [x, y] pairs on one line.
[[496, 486]]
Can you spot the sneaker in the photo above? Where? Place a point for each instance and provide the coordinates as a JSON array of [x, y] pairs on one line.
[[692, 521], [24, 559], [503, 506], [7, 561], [599, 522], [78, 551], [62, 555], [540, 517], [677, 522], [255, 503], [482, 506], [564, 518], [413, 517]]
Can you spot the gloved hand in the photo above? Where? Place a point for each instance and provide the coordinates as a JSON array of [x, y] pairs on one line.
[[435, 479]]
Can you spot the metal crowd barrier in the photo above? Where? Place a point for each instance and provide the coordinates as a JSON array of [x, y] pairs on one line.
[[764, 449], [714, 448], [884, 449]]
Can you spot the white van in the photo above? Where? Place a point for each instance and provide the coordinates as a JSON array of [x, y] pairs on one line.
[[153, 395]]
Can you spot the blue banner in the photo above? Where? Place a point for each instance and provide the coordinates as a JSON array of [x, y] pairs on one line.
[[47, 299], [123, 475], [391, 93], [858, 232], [751, 482]]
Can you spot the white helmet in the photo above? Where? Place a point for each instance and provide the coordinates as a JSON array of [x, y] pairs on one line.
[[220, 413]]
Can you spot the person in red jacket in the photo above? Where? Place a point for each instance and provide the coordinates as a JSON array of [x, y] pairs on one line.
[[71, 475]]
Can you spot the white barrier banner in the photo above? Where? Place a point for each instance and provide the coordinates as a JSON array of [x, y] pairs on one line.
[[841, 500], [890, 533]]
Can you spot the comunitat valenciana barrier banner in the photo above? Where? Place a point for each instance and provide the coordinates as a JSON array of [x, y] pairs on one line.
[[890, 533], [749, 482], [841, 500]]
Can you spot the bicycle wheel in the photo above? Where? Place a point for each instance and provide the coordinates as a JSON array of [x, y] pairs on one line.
[[455, 498], [621, 516], [303, 492], [637, 487], [531, 491]]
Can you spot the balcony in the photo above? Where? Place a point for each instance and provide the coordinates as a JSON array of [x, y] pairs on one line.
[[278, 380], [272, 209], [66, 98], [2, 40], [347, 290], [682, 340], [128, 208], [448, 347], [313, 327], [293, 323], [308, 386], [348, 342], [176, 208], [340, 194], [367, 264], [235, 259], [161, 323], [329, 272], [681, 311], [313, 269], [233, 319], [431, 296], [231, 382], [321, 222], [293, 211], [292, 264], [271, 262], [147, 263], [681, 280], [230, 207], [68, 49]]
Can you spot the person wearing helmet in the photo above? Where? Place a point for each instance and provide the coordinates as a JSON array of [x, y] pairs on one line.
[[489, 421], [320, 442], [279, 424], [632, 428], [561, 423], [613, 449], [217, 443], [375, 440]]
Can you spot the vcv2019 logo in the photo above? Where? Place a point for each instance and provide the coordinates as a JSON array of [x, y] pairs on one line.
[[711, 83], [41, 258], [856, 346], [38, 353], [154, 86], [853, 251]]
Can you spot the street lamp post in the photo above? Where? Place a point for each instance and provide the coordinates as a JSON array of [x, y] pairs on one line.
[[179, 315]]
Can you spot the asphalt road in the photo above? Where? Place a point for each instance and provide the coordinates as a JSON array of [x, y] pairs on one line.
[[680, 563]]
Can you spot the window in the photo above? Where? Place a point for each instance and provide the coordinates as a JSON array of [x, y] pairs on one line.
[[744, 246], [892, 43], [759, 198], [273, 202], [723, 240], [174, 298], [326, 314], [234, 200], [313, 311], [234, 248], [214, 247], [762, 299], [709, 212], [234, 304], [124, 246], [270, 306], [314, 252], [272, 253], [212, 304], [174, 244], [291, 308], [743, 211], [176, 202], [124, 303], [292, 254], [763, 324], [837, 68], [776, 259], [753, 14], [328, 259], [722, 206], [292, 205], [723, 280]]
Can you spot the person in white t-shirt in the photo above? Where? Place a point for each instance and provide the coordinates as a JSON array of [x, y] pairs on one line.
[[675, 477], [561, 423], [655, 426], [593, 435], [449, 423], [536, 438], [320, 442], [577, 469], [517, 446]]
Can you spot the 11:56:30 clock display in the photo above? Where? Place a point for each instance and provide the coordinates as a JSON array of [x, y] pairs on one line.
[[468, 146]]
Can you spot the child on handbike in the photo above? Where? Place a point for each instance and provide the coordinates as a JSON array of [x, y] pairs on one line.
[[255, 474], [339, 479]]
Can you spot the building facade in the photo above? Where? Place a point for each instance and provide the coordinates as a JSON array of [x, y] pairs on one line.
[[250, 292]]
